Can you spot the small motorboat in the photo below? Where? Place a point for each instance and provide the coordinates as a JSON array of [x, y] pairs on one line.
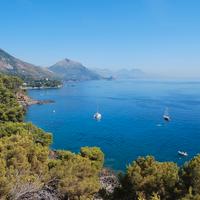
[[97, 116], [182, 153], [166, 115]]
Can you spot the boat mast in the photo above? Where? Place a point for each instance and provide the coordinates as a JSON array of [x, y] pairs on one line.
[[166, 111]]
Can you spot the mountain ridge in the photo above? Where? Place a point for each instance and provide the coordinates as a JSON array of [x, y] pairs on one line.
[[14, 66], [70, 70], [66, 69], [123, 73]]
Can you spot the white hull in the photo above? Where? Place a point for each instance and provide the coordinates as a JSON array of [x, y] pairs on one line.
[[181, 153], [97, 116], [166, 117]]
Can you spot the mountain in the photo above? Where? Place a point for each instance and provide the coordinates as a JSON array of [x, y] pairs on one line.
[[65, 69], [14, 66], [121, 74], [71, 70], [129, 74], [105, 73]]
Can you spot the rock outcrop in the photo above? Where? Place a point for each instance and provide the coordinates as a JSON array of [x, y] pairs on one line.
[[25, 100]]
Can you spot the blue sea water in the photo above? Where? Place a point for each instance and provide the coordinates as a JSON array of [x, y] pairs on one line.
[[132, 123]]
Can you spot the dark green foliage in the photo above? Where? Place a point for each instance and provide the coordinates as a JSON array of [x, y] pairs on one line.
[[12, 83], [39, 83], [10, 110], [77, 177], [190, 176], [22, 162], [39, 136], [191, 197], [64, 155], [147, 176], [13, 114], [94, 154], [147, 179]]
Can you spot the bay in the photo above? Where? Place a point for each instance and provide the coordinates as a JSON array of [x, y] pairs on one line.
[[132, 123]]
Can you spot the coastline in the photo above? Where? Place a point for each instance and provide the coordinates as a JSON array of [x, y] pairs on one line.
[[25, 101], [39, 88]]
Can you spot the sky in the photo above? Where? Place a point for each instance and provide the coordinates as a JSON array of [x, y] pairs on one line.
[[157, 36]]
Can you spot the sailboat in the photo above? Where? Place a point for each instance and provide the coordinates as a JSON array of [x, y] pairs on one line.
[[97, 115], [182, 153], [166, 115]]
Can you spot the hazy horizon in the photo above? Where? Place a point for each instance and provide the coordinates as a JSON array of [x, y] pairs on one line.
[[158, 37]]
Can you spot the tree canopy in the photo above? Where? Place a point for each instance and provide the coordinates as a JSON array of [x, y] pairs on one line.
[[10, 109]]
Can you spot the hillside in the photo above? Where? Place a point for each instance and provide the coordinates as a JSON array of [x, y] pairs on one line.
[[70, 70], [14, 66], [105, 73], [121, 74], [130, 74]]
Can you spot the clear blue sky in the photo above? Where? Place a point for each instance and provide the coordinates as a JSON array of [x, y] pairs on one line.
[[158, 36]]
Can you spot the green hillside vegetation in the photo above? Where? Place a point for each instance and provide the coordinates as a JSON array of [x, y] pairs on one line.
[[27, 164], [10, 110], [25, 161], [148, 179], [46, 83]]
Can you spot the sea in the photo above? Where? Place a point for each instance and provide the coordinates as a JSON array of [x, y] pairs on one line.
[[132, 122]]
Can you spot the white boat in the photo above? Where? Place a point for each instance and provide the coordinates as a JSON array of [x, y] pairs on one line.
[[166, 115], [97, 116], [182, 153]]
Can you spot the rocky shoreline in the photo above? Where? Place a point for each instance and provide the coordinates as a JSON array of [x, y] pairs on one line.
[[26, 101]]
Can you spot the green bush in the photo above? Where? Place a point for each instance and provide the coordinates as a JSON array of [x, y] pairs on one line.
[[38, 135], [147, 176], [190, 176], [10, 110], [94, 154], [77, 177]]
